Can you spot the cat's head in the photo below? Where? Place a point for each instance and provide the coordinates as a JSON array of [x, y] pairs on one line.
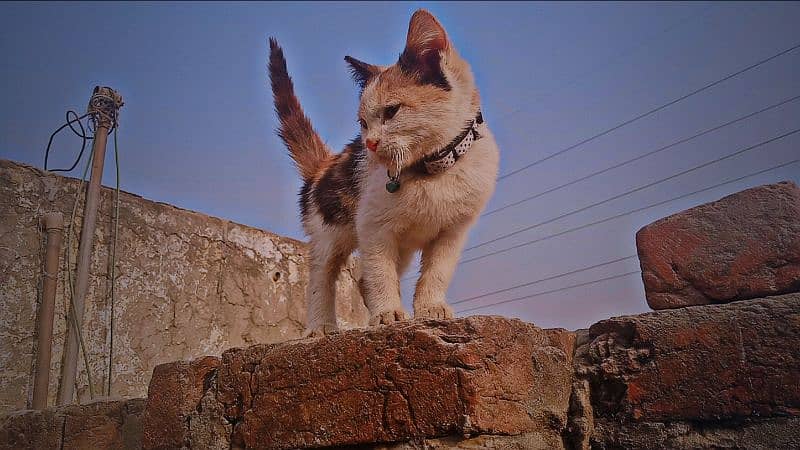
[[419, 104]]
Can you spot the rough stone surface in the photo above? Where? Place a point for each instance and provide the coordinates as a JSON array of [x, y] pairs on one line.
[[187, 285], [407, 381], [527, 441], [746, 245], [752, 434], [175, 392], [100, 425], [702, 363], [29, 429]]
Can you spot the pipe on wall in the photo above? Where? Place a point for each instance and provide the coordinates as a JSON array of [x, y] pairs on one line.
[[53, 225]]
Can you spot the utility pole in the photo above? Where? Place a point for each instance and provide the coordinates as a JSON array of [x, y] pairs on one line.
[[103, 108]]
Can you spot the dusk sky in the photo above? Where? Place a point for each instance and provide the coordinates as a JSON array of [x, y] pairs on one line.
[[197, 128]]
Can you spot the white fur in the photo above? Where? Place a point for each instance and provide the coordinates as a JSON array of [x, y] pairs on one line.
[[431, 214]]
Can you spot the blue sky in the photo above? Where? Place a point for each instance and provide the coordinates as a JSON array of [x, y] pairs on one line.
[[198, 128]]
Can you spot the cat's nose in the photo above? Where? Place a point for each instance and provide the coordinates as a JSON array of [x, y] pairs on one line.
[[372, 144]]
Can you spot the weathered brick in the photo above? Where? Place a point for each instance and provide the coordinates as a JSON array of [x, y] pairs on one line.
[[174, 394], [102, 425], [751, 434], [746, 245], [703, 363], [411, 380]]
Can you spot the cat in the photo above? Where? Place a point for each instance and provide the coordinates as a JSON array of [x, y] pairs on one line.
[[416, 178]]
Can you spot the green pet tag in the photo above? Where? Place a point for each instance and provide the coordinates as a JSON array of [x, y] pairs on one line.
[[393, 185]]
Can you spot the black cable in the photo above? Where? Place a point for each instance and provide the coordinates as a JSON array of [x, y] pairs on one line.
[[648, 185], [648, 113], [552, 291], [652, 152], [530, 283], [82, 135], [617, 216]]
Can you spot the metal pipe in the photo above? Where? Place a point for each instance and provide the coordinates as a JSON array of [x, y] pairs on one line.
[[53, 224], [103, 106]]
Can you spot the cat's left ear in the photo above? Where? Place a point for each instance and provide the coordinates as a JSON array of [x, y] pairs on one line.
[[425, 44], [362, 72]]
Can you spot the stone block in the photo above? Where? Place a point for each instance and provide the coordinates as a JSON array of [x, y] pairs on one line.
[[703, 363], [746, 245], [175, 392], [409, 381], [104, 424]]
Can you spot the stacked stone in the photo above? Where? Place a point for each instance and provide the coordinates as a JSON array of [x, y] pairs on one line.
[[704, 372], [718, 366]]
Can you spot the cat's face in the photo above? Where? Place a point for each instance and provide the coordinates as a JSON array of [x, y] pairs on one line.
[[419, 104]]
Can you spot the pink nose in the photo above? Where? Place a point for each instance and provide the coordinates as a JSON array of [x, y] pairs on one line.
[[372, 144]]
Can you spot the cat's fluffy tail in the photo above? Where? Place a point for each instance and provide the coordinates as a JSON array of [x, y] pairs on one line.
[[305, 146]]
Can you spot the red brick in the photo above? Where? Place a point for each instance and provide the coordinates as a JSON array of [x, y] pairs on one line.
[[479, 375], [744, 246], [716, 362], [174, 393]]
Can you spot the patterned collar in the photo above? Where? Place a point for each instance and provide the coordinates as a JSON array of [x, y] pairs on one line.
[[438, 162]]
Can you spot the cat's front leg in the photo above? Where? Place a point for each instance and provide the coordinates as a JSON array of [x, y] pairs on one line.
[[381, 257], [439, 260]]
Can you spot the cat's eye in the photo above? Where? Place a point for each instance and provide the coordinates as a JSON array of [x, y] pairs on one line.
[[363, 123], [390, 111]]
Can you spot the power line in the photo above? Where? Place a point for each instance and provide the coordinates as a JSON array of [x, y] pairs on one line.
[[648, 185], [552, 291], [648, 113], [595, 69], [637, 158], [496, 252], [617, 216], [572, 272]]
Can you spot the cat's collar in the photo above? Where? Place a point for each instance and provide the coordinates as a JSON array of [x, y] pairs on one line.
[[441, 160]]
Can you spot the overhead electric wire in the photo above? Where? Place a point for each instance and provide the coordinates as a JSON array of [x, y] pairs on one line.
[[597, 222], [541, 280], [642, 156], [552, 291], [631, 191], [650, 112], [607, 219], [594, 69]]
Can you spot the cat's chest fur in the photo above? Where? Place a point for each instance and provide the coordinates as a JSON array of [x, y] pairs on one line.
[[427, 204]]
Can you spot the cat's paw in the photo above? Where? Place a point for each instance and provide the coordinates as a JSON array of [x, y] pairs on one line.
[[320, 331], [388, 317], [434, 311]]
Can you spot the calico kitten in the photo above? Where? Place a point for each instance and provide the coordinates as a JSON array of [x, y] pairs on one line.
[[416, 178]]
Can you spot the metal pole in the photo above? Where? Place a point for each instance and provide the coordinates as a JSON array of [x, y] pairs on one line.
[[103, 105], [53, 224]]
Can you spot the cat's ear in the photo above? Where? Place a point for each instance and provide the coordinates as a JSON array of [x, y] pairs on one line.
[[362, 72], [425, 43]]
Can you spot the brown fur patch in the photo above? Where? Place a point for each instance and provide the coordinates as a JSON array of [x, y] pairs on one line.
[[337, 190], [305, 146]]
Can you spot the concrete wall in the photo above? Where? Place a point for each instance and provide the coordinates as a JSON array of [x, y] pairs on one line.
[[187, 285]]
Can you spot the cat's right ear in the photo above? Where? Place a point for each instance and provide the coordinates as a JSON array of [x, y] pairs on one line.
[[362, 72]]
